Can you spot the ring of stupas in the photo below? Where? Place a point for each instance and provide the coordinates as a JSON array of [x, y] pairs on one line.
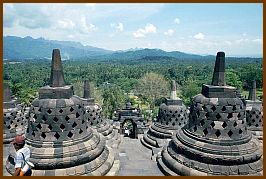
[[57, 136], [254, 113], [14, 116], [172, 116], [216, 140]]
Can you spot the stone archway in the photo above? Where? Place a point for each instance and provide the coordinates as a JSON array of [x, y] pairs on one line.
[[134, 133]]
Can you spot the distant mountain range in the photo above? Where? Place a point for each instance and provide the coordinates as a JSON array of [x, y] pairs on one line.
[[30, 48]]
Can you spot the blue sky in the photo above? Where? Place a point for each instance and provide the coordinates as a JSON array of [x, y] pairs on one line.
[[201, 28]]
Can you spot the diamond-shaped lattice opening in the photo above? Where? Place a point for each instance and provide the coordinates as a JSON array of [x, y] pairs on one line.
[[253, 120], [61, 111], [249, 124], [167, 115], [207, 115], [33, 134], [257, 125], [40, 110], [239, 115], [22, 124], [170, 111], [80, 131], [43, 135], [234, 107], [217, 133], [235, 124], [44, 118], [223, 108], [50, 127], [34, 116], [243, 121], [173, 124], [77, 115], [179, 124], [205, 131], [79, 107], [166, 123], [18, 120], [74, 124], [230, 133], [212, 124], [62, 126], [195, 128], [260, 120], [87, 127], [71, 109], [28, 130], [55, 119], [176, 111], [240, 131], [16, 125], [8, 126], [67, 118], [224, 125], [202, 122], [173, 115], [198, 113], [91, 123], [218, 116], [70, 134], [82, 121], [56, 135], [203, 107], [213, 108], [39, 126], [11, 122], [257, 116], [254, 112], [230, 115], [4, 122], [49, 111], [178, 115]]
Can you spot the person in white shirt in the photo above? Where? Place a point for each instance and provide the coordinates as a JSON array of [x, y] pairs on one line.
[[22, 156]]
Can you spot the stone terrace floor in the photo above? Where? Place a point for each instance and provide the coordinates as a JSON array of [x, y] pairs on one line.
[[135, 159]]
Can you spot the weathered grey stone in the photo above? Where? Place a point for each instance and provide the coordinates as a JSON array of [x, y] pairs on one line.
[[57, 131], [216, 140]]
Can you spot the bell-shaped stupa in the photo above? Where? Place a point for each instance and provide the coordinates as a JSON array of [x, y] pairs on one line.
[[216, 140]]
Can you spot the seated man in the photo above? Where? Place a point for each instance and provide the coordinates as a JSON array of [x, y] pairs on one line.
[[22, 156]]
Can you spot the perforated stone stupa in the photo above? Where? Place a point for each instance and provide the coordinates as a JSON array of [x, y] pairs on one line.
[[57, 136], [216, 140], [14, 116], [93, 116], [172, 115], [254, 113]]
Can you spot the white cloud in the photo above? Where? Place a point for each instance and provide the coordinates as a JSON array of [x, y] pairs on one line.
[[149, 28], [177, 21], [199, 36], [169, 32], [66, 24], [257, 41], [242, 40], [87, 27], [118, 27]]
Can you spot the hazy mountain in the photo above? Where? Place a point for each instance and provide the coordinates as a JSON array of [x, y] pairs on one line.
[[28, 47]]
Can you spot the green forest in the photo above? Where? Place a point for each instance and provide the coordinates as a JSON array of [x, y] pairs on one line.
[[144, 82]]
